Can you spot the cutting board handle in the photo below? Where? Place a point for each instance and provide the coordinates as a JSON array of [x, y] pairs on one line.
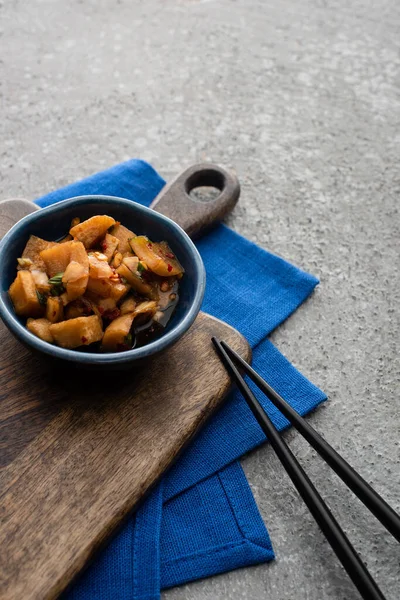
[[174, 200]]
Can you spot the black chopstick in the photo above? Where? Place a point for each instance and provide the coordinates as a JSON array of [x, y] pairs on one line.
[[321, 513], [372, 500]]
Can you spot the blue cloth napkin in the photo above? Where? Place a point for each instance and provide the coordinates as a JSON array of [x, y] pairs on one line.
[[202, 518]]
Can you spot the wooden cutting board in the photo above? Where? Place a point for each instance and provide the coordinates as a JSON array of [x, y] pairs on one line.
[[79, 450]]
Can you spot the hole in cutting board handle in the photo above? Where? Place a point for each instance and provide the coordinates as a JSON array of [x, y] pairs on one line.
[[205, 185], [204, 194], [178, 201], [205, 178]]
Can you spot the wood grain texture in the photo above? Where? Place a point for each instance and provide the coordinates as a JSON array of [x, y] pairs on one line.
[[79, 450], [174, 200], [105, 442]]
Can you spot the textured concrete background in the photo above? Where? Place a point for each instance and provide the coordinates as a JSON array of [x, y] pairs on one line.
[[302, 99]]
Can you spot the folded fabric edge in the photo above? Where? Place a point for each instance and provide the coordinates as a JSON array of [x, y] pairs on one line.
[[254, 548], [146, 547], [228, 558]]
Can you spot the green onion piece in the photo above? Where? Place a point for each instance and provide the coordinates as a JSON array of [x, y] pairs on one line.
[[128, 339], [56, 279], [57, 290], [140, 268], [41, 297]]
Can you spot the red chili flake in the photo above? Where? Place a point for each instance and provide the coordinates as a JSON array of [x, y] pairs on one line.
[[84, 339], [101, 310], [111, 314], [150, 245], [103, 245], [85, 305], [169, 267], [169, 255]]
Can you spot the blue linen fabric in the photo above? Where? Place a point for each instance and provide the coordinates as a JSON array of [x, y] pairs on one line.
[[202, 518]]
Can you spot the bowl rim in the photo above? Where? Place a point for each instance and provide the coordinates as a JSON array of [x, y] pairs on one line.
[[107, 358]]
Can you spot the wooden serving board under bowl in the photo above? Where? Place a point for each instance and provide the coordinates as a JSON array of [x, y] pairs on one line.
[[79, 450]]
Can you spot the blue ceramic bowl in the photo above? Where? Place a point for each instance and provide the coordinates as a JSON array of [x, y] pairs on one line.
[[53, 222]]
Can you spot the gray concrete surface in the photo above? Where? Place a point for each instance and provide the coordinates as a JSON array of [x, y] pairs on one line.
[[301, 98]]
